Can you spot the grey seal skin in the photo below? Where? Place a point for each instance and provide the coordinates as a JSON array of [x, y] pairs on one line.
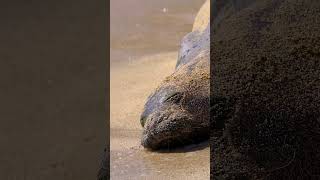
[[177, 113], [193, 44]]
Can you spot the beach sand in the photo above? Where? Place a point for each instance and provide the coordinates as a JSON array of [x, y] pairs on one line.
[[130, 85]]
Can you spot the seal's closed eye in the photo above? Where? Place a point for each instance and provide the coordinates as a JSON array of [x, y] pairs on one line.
[[174, 97]]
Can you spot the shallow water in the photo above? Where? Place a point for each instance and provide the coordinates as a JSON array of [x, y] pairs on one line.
[[145, 38]]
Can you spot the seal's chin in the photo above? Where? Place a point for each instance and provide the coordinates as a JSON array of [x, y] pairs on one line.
[[170, 129]]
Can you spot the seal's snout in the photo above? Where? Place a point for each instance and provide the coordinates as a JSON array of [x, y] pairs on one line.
[[165, 128], [170, 118]]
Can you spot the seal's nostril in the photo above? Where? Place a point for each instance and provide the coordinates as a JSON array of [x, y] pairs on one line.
[[143, 120]]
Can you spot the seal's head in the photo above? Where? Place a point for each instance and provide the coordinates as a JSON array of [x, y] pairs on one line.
[[177, 112]]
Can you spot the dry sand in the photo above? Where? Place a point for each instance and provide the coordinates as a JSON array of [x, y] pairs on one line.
[[131, 83]]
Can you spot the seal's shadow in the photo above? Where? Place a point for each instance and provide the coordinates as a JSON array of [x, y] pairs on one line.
[[185, 149]]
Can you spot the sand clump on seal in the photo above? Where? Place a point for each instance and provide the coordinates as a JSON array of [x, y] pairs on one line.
[[177, 113], [265, 90]]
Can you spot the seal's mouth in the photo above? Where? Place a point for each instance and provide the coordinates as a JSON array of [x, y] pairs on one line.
[[162, 129], [171, 128]]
